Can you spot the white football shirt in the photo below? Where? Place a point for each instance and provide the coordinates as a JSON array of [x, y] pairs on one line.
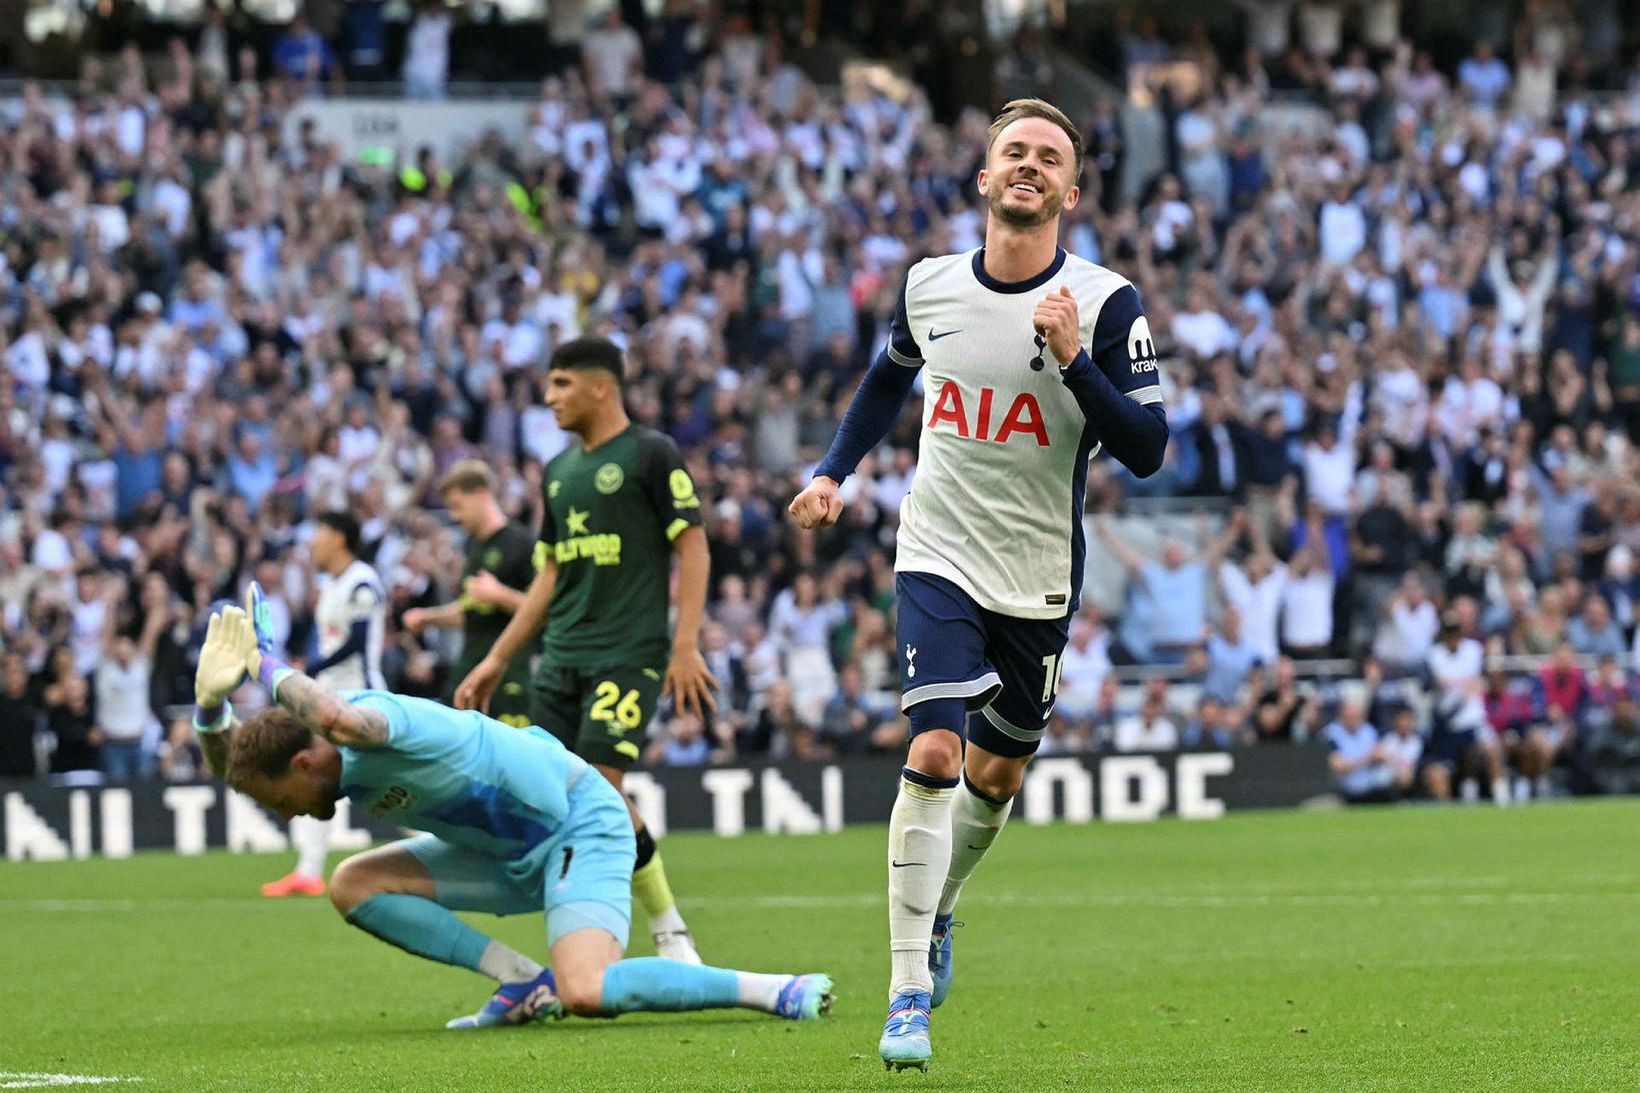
[[996, 504], [354, 597]]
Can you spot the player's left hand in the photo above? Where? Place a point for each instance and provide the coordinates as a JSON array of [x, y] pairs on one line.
[[689, 683], [484, 588], [1057, 321]]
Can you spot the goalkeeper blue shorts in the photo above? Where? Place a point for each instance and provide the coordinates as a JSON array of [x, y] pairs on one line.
[[581, 878]]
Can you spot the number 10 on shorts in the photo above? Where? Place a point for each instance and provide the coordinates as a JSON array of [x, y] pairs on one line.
[[1052, 666]]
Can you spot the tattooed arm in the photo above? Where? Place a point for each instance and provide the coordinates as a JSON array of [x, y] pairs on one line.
[[327, 713]]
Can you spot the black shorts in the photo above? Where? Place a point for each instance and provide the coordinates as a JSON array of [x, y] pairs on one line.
[[599, 714], [509, 703], [1005, 669]]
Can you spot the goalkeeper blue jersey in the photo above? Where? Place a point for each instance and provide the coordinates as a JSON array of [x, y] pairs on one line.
[[464, 777]]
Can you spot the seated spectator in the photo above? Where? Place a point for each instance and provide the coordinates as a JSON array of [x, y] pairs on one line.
[[1084, 666], [1214, 726], [1062, 737], [683, 743], [1613, 748], [1359, 768], [1150, 728], [1402, 749], [1594, 633], [856, 723]]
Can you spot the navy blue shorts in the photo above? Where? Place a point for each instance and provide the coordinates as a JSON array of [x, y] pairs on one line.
[[1006, 670]]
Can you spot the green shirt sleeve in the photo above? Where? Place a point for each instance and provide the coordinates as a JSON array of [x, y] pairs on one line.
[[669, 487]]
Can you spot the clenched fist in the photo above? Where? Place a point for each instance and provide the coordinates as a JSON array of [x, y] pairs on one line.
[[819, 505], [1057, 321]]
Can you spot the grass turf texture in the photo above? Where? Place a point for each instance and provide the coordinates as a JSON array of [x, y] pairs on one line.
[[1387, 949]]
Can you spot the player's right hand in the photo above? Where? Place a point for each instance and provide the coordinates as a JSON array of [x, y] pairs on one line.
[[415, 620], [819, 505], [475, 691]]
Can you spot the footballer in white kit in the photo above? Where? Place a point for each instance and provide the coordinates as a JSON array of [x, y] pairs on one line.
[[351, 618], [1032, 361]]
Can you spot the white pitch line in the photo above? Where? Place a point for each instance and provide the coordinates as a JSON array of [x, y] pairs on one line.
[[1204, 900], [14, 1080]]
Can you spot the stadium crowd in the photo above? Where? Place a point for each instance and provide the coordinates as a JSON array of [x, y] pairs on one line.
[[1401, 352]]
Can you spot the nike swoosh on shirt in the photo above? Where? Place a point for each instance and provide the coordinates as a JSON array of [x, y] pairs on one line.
[[903, 864], [933, 337]]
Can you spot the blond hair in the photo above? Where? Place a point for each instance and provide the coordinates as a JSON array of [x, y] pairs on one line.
[[467, 476], [1035, 108]]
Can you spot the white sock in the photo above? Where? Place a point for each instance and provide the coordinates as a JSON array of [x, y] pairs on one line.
[[506, 965], [975, 824], [759, 991], [311, 838], [919, 855], [667, 922], [1500, 791]]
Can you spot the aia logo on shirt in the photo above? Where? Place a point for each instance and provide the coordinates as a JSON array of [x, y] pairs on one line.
[[1024, 418]]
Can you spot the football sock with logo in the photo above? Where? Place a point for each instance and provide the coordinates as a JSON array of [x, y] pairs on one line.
[[649, 884], [421, 926], [506, 965], [312, 839], [650, 983], [976, 820], [919, 853]]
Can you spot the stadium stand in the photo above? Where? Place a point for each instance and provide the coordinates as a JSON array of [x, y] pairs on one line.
[[1397, 306]]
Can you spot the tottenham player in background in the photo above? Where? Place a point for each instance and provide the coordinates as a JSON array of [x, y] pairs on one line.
[[352, 620], [1033, 361]]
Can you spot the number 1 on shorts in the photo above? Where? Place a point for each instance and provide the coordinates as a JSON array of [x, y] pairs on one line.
[[1052, 665]]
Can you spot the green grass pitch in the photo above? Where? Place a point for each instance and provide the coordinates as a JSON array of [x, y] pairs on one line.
[[1422, 948]]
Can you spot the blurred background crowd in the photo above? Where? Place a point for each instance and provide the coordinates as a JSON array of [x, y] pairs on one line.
[[1393, 272]]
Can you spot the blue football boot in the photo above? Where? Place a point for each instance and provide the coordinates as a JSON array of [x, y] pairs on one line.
[[905, 1040], [516, 1003]]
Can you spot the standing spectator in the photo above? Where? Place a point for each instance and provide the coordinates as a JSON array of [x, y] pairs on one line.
[[302, 56], [19, 719], [1483, 79], [613, 56], [801, 622], [1231, 658], [67, 702], [1284, 711], [122, 685], [1307, 597], [427, 52], [1463, 741]]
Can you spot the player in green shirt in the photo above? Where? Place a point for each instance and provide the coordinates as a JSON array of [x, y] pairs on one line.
[[617, 507], [497, 565]]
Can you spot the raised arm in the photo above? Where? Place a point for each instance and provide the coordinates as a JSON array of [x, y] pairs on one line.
[[1123, 551]]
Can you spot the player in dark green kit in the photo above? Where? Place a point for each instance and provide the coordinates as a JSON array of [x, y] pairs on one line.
[[497, 565], [618, 507]]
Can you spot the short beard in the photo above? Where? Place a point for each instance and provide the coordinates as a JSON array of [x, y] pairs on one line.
[[1023, 218]]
